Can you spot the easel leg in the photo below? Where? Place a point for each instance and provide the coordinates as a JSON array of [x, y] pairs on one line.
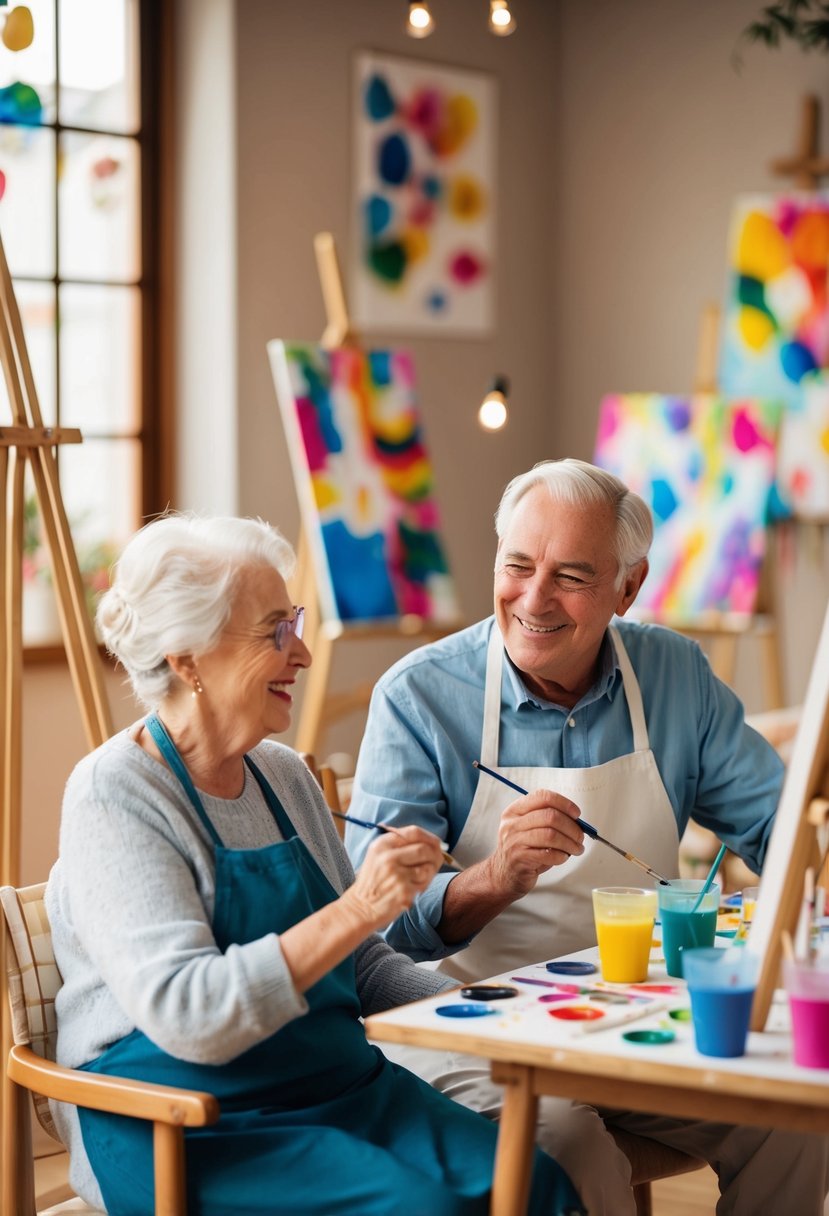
[[310, 718], [724, 657]]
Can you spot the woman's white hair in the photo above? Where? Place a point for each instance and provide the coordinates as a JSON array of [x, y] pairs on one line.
[[173, 591], [575, 481]]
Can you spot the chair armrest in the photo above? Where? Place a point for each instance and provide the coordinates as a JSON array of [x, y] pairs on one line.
[[117, 1095]]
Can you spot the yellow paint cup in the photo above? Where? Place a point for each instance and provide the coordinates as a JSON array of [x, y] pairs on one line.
[[624, 929]]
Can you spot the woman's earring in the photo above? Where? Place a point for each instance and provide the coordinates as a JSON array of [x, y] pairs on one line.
[[197, 688]]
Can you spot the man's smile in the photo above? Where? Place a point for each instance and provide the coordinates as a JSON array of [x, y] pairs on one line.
[[538, 628]]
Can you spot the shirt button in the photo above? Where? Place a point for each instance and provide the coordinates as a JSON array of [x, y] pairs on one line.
[[571, 721]]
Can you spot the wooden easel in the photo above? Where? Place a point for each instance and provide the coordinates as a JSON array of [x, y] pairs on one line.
[[27, 439], [793, 844], [806, 167], [320, 708]]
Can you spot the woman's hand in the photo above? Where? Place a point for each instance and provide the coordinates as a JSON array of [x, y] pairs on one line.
[[397, 867]]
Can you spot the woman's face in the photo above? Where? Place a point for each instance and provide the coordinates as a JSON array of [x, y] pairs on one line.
[[248, 684]]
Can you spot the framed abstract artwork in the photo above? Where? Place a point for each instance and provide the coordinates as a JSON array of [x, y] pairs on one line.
[[364, 482], [423, 205], [776, 319], [705, 466]]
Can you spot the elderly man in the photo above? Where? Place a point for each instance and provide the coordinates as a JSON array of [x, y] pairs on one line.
[[624, 723]]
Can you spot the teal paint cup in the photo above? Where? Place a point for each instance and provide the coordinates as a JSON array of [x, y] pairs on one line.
[[682, 927], [721, 986]]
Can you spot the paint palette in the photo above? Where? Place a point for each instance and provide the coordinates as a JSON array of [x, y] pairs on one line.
[[464, 1011], [571, 967], [651, 1038]]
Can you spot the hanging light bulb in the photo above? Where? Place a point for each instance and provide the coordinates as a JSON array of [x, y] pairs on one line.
[[420, 23], [493, 413], [501, 20]]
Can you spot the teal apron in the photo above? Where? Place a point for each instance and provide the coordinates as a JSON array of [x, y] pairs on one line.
[[315, 1121]]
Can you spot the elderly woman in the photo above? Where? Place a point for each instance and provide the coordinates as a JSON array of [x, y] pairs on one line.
[[210, 930]]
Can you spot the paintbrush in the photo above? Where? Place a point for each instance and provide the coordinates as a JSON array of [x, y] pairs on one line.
[[712, 874], [448, 859], [611, 1021], [583, 824]]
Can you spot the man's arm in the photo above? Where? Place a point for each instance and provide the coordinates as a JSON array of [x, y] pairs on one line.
[[399, 781], [740, 775]]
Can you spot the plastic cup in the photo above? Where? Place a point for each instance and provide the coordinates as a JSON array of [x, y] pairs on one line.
[[747, 908], [683, 928], [721, 987], [808, 987], [624, 930]]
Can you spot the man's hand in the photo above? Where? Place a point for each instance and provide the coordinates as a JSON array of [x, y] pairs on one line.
[[538, 831]]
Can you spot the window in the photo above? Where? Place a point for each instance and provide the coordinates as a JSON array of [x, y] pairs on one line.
[[80, 210]]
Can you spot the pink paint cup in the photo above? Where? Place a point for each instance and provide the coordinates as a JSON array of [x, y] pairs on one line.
[[807, 985]]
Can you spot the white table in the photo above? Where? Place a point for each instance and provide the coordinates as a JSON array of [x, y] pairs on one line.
[[532, 1053]]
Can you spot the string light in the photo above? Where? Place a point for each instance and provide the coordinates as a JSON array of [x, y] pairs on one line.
[[501, 20], [493, 412], [420, 23]]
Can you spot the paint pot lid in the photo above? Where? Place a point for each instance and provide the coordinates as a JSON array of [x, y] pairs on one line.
[[571, 967], [651, 1038], [488, 992], [464, 1011], [576, 1013]]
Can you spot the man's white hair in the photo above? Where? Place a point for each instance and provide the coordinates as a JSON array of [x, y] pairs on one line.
[[575, 481]]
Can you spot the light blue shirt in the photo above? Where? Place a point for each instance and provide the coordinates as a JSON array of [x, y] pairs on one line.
[[424, 731]]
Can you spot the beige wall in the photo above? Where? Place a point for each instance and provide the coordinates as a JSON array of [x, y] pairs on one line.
[[624, 134]]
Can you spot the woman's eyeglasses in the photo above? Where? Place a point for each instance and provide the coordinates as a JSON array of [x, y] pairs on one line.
[[286, 629]]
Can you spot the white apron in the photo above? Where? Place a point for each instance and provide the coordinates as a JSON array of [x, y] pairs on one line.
[[624, 799]]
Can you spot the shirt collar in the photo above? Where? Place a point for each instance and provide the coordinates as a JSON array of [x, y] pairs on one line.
[[516, 693]]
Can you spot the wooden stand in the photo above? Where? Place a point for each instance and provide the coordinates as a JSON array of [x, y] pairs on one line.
[[793, 844], [28, 439], [320, 708], [806, 167]]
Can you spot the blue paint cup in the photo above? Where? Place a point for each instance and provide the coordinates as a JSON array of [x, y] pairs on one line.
[[683, 927], [721, 986]]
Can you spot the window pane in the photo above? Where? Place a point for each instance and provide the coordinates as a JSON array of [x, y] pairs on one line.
[[100, 364], [27, 209], [100, 481], [99, 64], [33, 67], [36, 302], [98, 208]]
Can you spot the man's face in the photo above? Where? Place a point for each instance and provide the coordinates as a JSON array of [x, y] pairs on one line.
[[555, 592]]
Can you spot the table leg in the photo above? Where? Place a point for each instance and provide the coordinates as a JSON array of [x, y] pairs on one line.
[[516, 1138]]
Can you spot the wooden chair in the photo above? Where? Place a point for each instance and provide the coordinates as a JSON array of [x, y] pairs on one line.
[[326, 779], [650, 1161], [33, 981]]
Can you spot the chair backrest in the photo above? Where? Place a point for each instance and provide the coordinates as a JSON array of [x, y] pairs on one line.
[[326, 779], [33, 979]]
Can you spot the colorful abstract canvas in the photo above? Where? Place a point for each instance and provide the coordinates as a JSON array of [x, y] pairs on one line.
[[364, 481], [423, 204], [705, 466], [803, 458], [776, 321]]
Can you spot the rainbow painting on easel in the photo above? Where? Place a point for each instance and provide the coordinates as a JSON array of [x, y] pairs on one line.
[[365, 482], [705, 466], [776, 322]]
